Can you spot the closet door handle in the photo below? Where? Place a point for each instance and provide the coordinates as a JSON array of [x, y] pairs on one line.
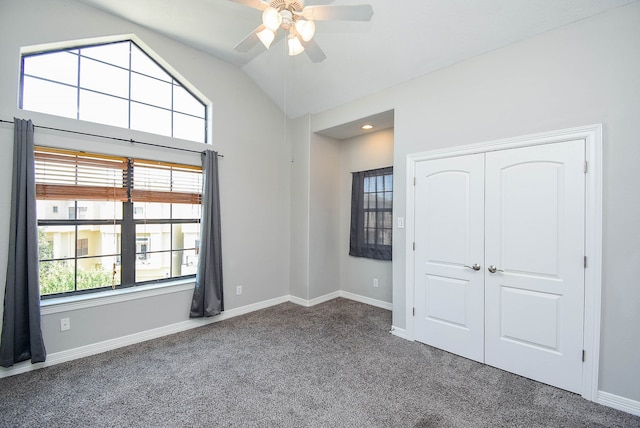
[[474, 267], [494, 269]]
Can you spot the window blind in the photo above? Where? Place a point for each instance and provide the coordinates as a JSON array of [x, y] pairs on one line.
[[71, 175], [166, 182]]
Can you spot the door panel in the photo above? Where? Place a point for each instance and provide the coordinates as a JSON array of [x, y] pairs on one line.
[[534, 302], [454, 292], [519, 305], [449, 234], [529, 204]]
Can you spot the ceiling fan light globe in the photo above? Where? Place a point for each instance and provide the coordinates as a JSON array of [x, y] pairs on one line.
[[266, 36], [295, 47], [306, 29], [271, 18]]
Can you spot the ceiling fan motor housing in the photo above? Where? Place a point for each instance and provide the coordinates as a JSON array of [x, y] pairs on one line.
[[289, 11], [291, 5]]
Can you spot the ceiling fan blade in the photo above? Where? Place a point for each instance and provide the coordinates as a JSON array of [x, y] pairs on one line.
[[313, 50], [256, 4], [250, 41], [338, 13]]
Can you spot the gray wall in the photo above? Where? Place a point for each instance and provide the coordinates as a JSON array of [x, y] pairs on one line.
[[321, 212], [254, 174], [581, 74], [299, 136], [324, 217], [370, 151]]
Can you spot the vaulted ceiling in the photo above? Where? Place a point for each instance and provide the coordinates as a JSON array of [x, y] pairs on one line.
[[405, 39]]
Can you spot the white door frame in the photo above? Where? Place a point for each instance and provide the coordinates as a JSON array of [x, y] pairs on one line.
[[592, 135]]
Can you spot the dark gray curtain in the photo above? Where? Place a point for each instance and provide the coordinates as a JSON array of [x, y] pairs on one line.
[[207, 296], [21, 335], [359, 246]]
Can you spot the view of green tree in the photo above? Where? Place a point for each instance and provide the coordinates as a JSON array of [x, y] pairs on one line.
[[45, 248], [55, 277], [58, 276], [95, 278]]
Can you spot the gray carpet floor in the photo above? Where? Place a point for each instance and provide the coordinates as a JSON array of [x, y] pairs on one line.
[[332, 365]]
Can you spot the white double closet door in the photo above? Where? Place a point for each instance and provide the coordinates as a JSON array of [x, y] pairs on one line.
[[499, 259]]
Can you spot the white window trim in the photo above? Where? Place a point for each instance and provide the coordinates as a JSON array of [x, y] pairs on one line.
[[83, 301]]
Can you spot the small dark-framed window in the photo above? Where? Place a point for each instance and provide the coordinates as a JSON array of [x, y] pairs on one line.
[[82, 247], [372, 214]]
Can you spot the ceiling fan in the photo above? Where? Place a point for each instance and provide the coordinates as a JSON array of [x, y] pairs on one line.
[[299, 21]]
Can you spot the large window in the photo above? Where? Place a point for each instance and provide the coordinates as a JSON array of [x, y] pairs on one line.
[[371, 214], [107, 221], [116, 84]]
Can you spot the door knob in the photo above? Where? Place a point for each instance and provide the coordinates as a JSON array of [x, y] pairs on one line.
[[494, 269], [474, 267]]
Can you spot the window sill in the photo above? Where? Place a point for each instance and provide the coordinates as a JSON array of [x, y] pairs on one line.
[[72, 303]]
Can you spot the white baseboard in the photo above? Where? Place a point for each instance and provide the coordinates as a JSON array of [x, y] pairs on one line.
[[619, 403], [346, 295], [316, 301], [143, 336], [299, 301], [397, 331], [368, 300], [119, 342]]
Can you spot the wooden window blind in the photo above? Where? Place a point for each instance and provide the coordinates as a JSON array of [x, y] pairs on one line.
[[72, 175], [166, 182]]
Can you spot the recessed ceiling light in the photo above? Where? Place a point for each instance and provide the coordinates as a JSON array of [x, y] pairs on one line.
[[367, 127]]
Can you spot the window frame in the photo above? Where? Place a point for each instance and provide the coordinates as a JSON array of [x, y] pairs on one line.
[[127, 258], [359, 244], [173, 81]]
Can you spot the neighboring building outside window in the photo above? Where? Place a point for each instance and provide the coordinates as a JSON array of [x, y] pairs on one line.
[[115, 84], [372, 214], [130, 221]]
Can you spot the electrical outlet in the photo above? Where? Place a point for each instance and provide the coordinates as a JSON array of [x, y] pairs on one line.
[[65, 324], [375, 282], [238, 290]]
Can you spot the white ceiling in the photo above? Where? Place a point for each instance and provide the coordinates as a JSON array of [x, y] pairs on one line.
[[405, 39]]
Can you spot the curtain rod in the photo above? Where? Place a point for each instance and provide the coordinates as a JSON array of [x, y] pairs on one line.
[[112, 138]]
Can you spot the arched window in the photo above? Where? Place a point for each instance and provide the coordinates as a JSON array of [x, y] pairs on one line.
[[116, 84]]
